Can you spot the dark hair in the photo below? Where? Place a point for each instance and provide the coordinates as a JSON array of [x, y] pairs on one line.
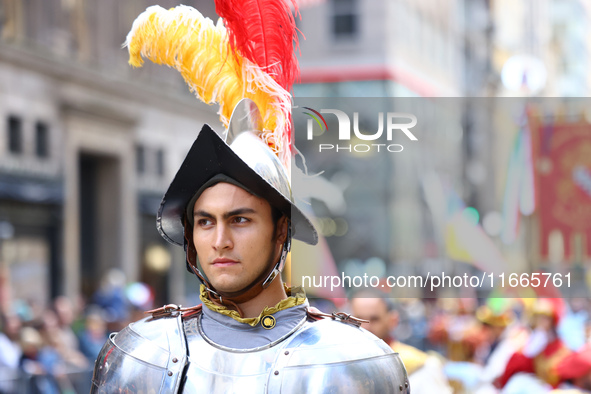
[[276, 214]]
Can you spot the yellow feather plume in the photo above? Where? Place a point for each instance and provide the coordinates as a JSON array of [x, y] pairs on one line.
[[184, 39]]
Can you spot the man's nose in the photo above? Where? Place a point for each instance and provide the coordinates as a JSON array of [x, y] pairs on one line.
[[223, 237]]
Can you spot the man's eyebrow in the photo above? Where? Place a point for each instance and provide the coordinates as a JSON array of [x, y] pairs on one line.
[[202, 213], [239, 211], [226, 215]]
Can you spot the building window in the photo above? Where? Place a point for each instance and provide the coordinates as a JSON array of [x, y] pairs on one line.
[[42, 140], [345, 19], [15, 134], [160, 162], [140, 159]]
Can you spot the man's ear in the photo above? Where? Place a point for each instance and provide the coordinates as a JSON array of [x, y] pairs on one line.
[[282, 225], [393, 320]]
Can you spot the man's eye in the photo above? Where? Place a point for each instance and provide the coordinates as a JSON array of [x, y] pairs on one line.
[[240, 219], [204, 222]]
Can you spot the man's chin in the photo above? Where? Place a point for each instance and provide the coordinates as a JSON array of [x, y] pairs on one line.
[[230, 282], [228, 286]]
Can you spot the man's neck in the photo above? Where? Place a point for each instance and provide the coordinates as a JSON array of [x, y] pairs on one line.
[[268, 297]]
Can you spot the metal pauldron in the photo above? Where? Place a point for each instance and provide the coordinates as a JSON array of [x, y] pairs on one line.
[[147, 356]]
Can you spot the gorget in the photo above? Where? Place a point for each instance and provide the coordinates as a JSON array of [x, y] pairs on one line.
[[228, 333]]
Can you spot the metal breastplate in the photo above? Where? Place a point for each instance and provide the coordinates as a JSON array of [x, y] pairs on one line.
[[315, 357], [150, 356]]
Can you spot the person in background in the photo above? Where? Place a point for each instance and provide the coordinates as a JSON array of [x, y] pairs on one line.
[[543, 349], [500, 336], [66, 315], [39, 362], [94, 335], [111, 297], [455, 329], [10, 351], [70, 359], [425, 371]]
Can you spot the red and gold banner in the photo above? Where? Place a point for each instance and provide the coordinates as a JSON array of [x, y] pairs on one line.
[[562, 166]]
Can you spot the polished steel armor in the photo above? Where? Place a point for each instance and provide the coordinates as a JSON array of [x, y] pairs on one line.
[[315, 357], [146, 357]]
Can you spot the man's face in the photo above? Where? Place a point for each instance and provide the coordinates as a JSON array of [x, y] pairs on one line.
[[234, 236], [381, 322], [543, 322]]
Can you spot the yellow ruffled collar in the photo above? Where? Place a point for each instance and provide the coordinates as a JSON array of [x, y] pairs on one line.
[[296, 296]]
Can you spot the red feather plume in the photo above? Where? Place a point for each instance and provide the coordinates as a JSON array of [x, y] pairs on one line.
[[264, 32]]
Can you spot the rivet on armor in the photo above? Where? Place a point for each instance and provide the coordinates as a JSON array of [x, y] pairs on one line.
[[175, 360], [276, 372], [170, 374], [401, 388], [286, 352], [406, 384]]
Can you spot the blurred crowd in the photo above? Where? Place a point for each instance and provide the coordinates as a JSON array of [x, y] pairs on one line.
[[448, 345], [497, 345], [52, 349]]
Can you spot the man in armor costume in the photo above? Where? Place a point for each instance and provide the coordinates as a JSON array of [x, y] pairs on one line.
[[230, 207]]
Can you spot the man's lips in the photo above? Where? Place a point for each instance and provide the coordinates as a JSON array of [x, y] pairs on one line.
[[223, 262]]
